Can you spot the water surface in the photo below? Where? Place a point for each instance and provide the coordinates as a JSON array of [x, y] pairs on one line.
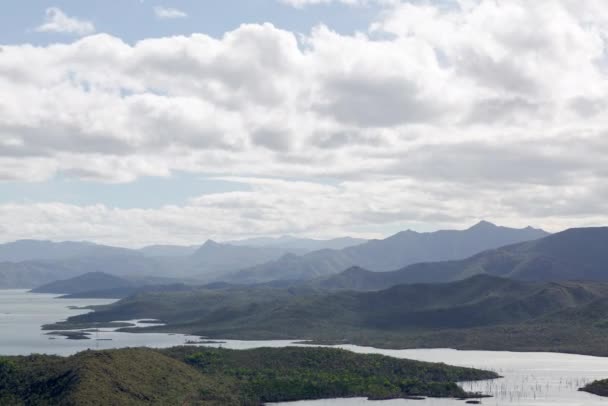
[[530, 379], [22, 315]]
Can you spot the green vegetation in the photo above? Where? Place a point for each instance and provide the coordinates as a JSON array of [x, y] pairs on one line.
[[197, 376], [483, 312]]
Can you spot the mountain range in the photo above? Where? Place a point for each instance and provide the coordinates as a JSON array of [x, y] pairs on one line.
[[575, 254], [397, 251], [30, 263]]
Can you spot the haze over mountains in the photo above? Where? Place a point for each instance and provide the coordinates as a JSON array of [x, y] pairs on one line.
[[549, 294], [27, 264], [37, 250], [31, 263], [544, 292], [399, 250], [575, 254]]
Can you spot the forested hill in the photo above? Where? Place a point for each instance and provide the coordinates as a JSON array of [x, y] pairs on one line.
[[471, 314], [199, 376]]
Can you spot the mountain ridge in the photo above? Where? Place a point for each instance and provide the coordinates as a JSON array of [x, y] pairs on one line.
[[399, 250], [574, 254]]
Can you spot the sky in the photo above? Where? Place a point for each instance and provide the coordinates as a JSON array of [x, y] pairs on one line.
[[144, 122]]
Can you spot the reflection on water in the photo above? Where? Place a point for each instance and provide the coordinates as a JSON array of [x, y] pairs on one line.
[[530, 379]]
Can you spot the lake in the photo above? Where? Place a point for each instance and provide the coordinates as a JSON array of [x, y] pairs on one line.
[[22, 314], [534, 379]]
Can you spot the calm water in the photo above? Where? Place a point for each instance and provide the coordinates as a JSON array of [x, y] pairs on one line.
[[22, 314], [534, 379], [530, 379]]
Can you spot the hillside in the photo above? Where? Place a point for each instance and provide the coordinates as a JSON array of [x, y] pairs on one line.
[[464, 314], [575, 254], [220, 377], [92, 281], [102, 285], [395, 252]]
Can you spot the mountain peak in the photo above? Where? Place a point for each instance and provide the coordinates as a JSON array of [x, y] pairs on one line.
[[210, 243], [483, 224]]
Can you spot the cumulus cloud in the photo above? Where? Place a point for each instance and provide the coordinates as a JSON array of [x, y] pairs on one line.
[[57, 21], [167, 13], [460, 104]]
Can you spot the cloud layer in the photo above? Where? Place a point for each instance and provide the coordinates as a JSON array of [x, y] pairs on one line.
[[435, 115]]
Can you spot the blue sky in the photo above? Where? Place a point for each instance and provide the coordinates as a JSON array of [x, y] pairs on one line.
[[133, 20], [342, 117]]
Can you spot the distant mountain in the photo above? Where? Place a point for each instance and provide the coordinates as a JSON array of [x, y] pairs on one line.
[[57, 262], [169, 250], [122, 263], [93, 281], [29, 263], [102, 285], [397, 251], [26, 275], [213, 259], [575, 254], [301, 244], [37, 250]]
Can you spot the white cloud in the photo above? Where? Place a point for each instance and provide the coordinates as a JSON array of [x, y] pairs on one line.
[[358, 3], [275, 207], [460, 104], [57, 21], [165, 13]]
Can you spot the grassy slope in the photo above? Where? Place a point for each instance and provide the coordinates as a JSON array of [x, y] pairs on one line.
[[191, 376]]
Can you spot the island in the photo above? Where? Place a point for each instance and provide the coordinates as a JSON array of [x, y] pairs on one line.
[[208, 376]]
